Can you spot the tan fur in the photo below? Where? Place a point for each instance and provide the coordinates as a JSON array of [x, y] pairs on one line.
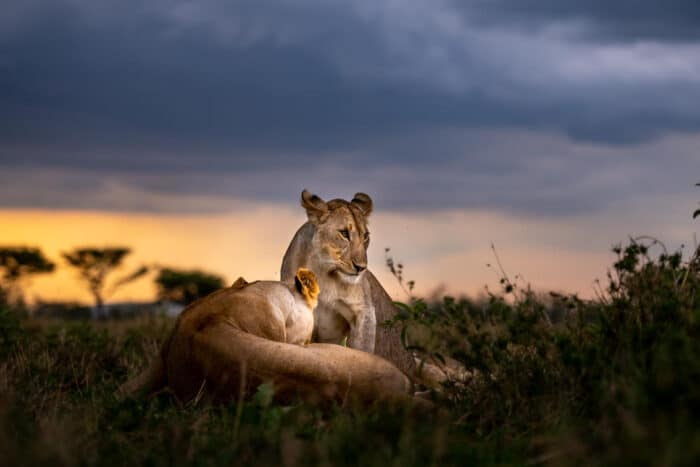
[[229, 342], [352, 301]]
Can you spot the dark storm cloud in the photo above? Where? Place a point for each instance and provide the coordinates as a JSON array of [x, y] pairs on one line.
[[603, 20], [240, 89], [522, 174]]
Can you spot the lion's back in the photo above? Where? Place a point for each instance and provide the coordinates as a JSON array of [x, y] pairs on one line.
[[230, 311]]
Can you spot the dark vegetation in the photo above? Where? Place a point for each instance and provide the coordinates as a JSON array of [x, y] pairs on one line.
[[186, 286], [610, 381], [17, 265], [550, 380], [94, 265]]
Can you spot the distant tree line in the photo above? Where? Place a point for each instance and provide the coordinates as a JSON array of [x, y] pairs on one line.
[[186, 286], [95, 266]]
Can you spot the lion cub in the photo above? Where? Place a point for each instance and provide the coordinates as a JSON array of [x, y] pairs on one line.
[[293, 304]]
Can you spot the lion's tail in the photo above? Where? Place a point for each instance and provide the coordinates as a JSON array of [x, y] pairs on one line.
[[236, 362], [153, 378], [150, 380]]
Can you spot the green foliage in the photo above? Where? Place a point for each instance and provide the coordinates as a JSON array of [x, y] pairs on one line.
[[544, 380], [57, 407], [11, 331], [186, 286], [614, 381]]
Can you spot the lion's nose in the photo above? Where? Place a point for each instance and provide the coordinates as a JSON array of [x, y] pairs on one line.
[[359, 267]]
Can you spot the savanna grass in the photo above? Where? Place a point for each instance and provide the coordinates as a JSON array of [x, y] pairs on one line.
[[549, 380], [605, 381]]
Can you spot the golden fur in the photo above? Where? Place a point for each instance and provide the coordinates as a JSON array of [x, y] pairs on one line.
[[306, 283], [229, 342]]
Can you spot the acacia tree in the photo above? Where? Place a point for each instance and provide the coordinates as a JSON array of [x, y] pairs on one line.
[[95, 264], [186, 286], [18, 263]]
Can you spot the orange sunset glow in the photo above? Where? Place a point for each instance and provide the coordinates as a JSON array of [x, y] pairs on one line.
[[251, 242]]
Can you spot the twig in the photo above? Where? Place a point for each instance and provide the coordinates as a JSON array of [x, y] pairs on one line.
[[500, 265]]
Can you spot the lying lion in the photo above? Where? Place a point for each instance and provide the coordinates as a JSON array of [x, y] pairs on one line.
[[228, 343]]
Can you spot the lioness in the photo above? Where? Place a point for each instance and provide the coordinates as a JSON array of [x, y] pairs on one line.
[[333, 244], [226, 344]]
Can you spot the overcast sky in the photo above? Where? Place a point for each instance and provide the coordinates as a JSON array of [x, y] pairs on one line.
[[507, 104], [541, 109]]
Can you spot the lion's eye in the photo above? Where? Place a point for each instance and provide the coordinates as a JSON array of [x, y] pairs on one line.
[[345, 233]]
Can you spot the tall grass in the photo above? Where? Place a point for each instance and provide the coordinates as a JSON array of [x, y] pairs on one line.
[[610, 380], [555, 380]]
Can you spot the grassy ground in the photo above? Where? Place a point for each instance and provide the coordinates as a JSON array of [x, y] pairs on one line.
[[558, 381]]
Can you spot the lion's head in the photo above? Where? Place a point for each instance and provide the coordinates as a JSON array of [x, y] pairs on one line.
[[341, 239]]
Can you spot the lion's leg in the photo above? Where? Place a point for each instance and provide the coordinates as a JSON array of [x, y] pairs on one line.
[[329, 326], [363, 331]]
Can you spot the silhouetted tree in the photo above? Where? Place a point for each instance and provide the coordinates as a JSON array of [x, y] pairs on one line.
[[18, 263], [95, 264], [186, 286]]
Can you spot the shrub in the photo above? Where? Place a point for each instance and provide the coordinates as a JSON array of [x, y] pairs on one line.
[[186, 286], [550, 380], [617, 373]]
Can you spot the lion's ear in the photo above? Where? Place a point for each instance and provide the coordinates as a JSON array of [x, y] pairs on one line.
[[316, 208], [239, 284], [364, 202]]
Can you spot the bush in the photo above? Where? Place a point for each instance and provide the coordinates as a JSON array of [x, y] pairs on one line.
[[186, 286], [550, 380], [614, 381]]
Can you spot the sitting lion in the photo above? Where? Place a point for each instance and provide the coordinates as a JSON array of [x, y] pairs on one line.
[[352, 303], [226, 344]]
